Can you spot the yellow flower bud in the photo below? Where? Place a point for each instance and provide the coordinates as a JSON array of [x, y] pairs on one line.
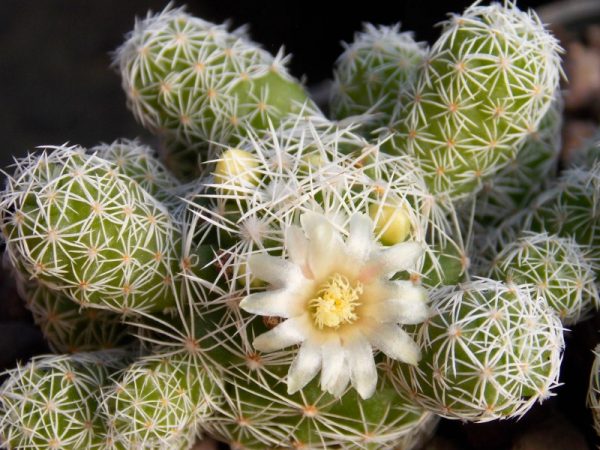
[[236, 168], [392, 223]]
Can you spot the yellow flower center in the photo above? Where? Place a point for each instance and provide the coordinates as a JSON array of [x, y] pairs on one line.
[[336, 302]]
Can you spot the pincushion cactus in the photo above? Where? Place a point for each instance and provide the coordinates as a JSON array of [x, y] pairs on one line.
[[309, 287], [313, 165], [260, 414], [77, 225], [196, 83], [52, 402], [158, 401], [558, 269], [570, 209], [489, 351], [373, 74], [489, 79]]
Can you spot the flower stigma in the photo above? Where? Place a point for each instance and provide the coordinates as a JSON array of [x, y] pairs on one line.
[[336, 302]]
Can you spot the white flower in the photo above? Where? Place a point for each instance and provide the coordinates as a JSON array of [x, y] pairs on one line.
[[339, 303]]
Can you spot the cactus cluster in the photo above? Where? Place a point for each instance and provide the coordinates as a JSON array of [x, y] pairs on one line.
[[275, 278]]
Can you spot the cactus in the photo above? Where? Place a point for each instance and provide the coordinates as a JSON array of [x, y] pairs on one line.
[[137, 161], [514, 187], [260, 414], [489, 79], [52, 402], [557, 268], [313, 165], [197, 84], [374, 73], [77, 225], [158, 401], [489, 351], [66, 327], [570, 209], [309, 287]]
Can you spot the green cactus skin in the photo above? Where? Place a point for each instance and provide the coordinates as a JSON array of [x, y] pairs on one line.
[[514, 187], [489, 352], [258, 413], [158, 401], [593, 397], [571, 209], [557, 268], [374, 72], [52, 402], [77, 225], [490, 78], [138, 162], [197, 84], [445, 264], [66, 326]]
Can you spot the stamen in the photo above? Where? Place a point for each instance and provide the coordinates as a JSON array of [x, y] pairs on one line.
[[336, 302]]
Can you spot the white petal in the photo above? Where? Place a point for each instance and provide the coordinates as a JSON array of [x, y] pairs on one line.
[[361, 236], [296, 245], [305, 366], [334, 374], [395, 343], [273, 270], [391, 260], [280, 303], [312, 221], [325, 246], [289, 332], [407, 304], [362, 367]]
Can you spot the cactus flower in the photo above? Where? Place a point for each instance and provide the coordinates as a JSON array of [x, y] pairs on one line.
[[339, 303]]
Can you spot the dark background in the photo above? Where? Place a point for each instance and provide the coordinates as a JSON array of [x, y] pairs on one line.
[[56, 85]]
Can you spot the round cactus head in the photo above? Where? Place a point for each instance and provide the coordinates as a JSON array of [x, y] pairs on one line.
[[374, 73], [159, 401], [197, 84], [557, 268], [76, 224], [489, 79], [489, 351], [52, 402]]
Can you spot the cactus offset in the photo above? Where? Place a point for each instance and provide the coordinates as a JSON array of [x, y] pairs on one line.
[[196, 83], [77, 225], [489, 79], [374, 73], [489, 351]]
